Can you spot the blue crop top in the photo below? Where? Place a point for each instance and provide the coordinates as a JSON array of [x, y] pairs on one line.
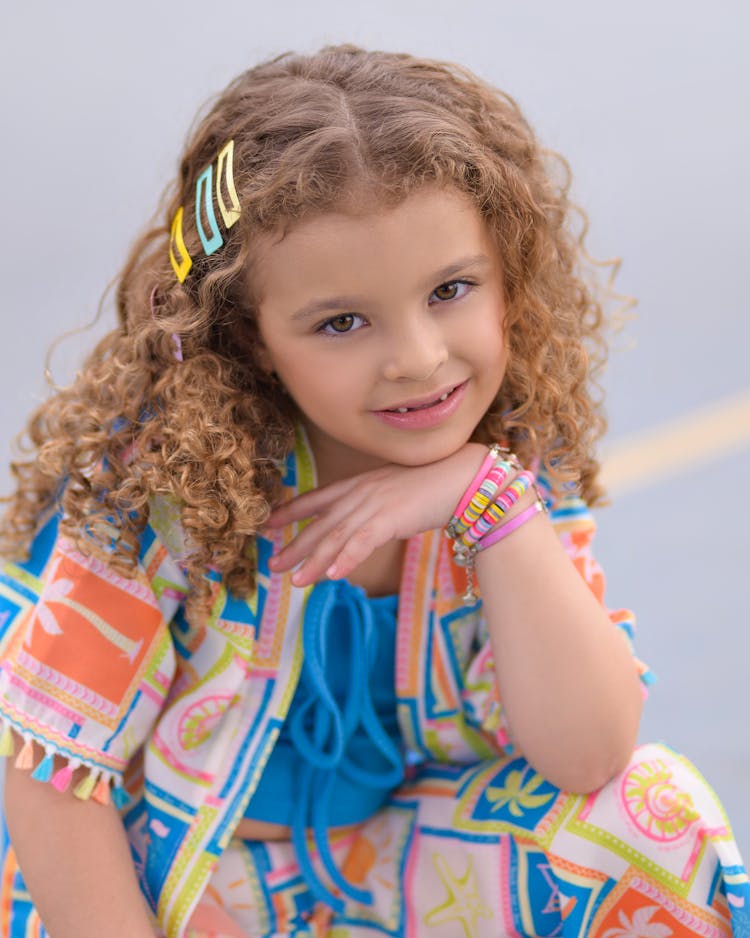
[[339, 753]]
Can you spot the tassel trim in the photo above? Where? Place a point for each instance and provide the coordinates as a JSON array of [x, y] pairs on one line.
[[7, 746], [25, 758], [99, 785], [62, 779], [43, 772]]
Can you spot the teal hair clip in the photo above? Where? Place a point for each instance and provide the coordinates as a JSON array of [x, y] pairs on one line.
[[205, 183]]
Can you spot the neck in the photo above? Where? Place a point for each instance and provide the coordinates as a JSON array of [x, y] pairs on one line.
[[335, 461]]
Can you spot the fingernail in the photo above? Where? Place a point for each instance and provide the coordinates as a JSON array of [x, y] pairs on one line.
[[332, 571]]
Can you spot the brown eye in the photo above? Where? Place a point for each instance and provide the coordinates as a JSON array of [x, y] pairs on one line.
[[447, 291], [342, 323]]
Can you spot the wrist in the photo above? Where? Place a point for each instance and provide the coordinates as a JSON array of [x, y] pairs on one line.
[[500, 498]]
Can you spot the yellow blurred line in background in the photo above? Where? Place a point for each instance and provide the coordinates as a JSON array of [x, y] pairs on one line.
[[711, 433]]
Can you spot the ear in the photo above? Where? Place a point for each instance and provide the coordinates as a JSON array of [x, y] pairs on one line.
[[251, 342], [263, 357]]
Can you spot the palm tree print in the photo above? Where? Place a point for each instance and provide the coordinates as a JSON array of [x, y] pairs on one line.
[[518, 793], [57, 592], [640, 926]]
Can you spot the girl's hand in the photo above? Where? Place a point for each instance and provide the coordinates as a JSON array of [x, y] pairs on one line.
[[355, 516]]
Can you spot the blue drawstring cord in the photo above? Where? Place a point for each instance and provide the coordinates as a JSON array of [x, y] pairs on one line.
[[323, 750]]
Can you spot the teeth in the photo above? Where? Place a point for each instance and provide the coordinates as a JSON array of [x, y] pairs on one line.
[[405, 410]]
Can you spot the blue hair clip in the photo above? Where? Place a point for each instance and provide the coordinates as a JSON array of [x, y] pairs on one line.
[[205, 182]]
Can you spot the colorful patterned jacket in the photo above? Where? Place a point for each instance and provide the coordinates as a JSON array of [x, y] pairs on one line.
[[110, 674]]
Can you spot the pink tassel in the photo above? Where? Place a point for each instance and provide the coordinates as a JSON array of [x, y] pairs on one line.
[[62, 779], [25, 758], [101, 792]]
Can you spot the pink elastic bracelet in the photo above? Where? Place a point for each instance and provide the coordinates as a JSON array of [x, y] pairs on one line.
[[471, 490], [509, 527]]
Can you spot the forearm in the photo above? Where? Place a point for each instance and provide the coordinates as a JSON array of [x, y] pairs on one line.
[[75, 860], [569, 687]]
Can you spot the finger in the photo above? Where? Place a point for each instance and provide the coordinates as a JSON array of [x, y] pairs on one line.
[[345, 548], [357, 549], [328, 530], [310, 503]]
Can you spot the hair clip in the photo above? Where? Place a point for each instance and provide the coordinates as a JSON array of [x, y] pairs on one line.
[[182, 266], [204, 209], [225, 169], [205, 182]]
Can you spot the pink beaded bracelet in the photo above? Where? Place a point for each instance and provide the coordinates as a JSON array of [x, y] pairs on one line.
[[460, 508], [497, 509], [464, 556], [474, 525], [483, 496]]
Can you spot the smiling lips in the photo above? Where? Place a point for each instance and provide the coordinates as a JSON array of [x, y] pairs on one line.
[[423, 403], [424, 414]]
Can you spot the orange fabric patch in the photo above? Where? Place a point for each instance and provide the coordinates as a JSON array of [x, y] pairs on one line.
[[91, 629]]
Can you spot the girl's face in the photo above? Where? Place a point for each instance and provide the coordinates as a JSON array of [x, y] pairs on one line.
[[371, 319]]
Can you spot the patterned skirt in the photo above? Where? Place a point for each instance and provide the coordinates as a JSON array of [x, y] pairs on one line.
[[493, 849]]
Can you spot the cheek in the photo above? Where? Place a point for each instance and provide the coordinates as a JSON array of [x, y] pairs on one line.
[[314, 378], [487, 338], [493, 349]]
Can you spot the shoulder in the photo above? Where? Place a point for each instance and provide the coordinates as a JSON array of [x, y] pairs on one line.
[[568, 512]]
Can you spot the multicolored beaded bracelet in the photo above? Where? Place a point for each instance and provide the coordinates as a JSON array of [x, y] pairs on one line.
[[497, 509], [482, 490], [484, 495], [474, 525], [464, 556], [487, 463]]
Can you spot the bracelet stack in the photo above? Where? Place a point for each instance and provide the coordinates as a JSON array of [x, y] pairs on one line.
[[477, 521]]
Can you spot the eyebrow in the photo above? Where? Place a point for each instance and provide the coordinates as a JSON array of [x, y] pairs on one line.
[[329, 304]]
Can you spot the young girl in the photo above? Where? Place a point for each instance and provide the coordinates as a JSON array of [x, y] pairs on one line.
[[249, 685]]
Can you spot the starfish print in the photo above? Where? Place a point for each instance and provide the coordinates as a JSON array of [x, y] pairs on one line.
[[463, 903]]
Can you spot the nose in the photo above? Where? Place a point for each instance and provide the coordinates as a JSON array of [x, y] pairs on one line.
[[416, 350]]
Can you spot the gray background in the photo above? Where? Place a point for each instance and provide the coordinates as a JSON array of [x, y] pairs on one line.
[[648, 100]]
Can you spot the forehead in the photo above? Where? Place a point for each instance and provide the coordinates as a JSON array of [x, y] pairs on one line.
[[428, 230]]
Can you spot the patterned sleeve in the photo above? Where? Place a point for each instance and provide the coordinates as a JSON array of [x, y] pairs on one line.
[[86, 660], [575, 526]]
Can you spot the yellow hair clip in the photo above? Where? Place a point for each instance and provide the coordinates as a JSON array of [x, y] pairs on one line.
[[225, 169], [177, 245]]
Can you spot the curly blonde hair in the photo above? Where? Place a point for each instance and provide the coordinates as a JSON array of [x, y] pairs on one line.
[[211, 430]]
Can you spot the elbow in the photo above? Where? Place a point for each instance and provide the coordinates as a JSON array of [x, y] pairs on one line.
[[581, 776], [590, 762], [588, 779]]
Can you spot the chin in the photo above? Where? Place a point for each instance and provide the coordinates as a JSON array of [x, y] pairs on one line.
[[422, 453]]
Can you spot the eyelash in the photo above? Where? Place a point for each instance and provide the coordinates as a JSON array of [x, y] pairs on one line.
[[448, 283]]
